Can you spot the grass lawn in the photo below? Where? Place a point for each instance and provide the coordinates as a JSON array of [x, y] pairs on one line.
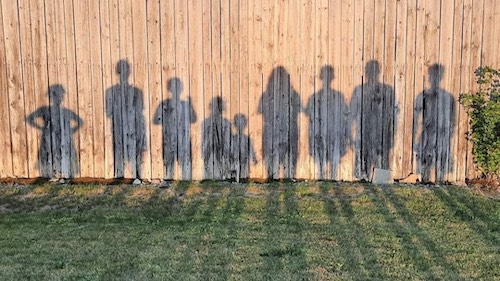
[[219, 231]]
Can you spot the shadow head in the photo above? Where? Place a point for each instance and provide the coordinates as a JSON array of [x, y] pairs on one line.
[[56, 94], [174, 86], [217, 105], [372, 70], [123, 70], [279, 72], [327, 74], [240, 121], [436, 72]]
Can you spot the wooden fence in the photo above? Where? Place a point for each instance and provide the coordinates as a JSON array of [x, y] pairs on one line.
[[218, 88]]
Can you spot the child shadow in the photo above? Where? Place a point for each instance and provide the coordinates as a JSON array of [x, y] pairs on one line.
[[242, 148]]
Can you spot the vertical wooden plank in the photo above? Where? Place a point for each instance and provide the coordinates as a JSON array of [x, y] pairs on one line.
[[431, 42], [182, 72], [195, 99], [454, 76], [400, 88], [39, 53], [206, 167], [356, 102], [55, 57], [241, 120], [108, 26], [489, 45], [307, 73], [420, 78], [46, 159], [393, 101], [15, 88], [256, 86], [233, 75], [346, 85], [83, 72], [129, 112], [266, 101], [70, 77], [5, 142], [293, 62], [274, 104], [338, 36], [29, 87], [141, 77], [497, 36], [289, 58], [409, 87], [478, 21], [154, 31], [114, 117], [282, 140], [63, 120], [212, 125], [168, 122], [98, 106], [352, 136], [465, 87], [317, 102], [446, 101], [110, 55], [377, 142]]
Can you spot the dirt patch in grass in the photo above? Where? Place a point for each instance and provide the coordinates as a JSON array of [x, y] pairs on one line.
[[193, 190], [254, 190], [86, 191], [39, 191], [142, 193]]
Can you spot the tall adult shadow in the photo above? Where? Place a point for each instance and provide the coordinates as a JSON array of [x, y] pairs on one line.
[[242, 149], [280, 107], [175, 116], [434, 117], [125, 107], [372, 108], [57, 156], [215, 151], [327, 128]]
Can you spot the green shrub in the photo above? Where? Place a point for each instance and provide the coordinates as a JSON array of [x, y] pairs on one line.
[[484, 112]]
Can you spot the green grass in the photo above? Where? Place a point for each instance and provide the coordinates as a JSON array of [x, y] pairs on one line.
[[224, 231]]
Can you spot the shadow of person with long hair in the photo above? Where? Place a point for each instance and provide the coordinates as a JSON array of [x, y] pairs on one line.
[[434, 126], [372, 107], [175, 116], [280, 107], [327, 137], [57, 156], [125, 107], [215, 154]]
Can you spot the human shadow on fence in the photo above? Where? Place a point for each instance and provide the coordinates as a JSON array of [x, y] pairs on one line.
[[328, 131], [373, 120], [280, 106], [125, 108], [434, 123], [57, 156], [242, 147], [176, 115], [216, 136]]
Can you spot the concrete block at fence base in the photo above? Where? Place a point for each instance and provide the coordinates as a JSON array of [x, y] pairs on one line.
[[164, 184], [136, 182], [381, 176]]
